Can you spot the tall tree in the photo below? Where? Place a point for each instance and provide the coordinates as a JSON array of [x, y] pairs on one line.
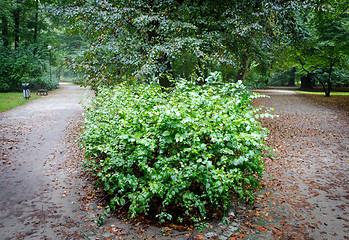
[[4, 18], [17, 9], [36, 23], [321, 41], [23, 34], [147, 39]]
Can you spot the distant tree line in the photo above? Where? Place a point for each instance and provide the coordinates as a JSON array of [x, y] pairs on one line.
[[27, 29], [108, 42], [245, 40]]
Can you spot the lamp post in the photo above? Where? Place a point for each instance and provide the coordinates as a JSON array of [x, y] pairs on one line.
[[49, 49]]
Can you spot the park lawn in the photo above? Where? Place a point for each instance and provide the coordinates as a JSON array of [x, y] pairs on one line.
[[12, 100], [322, 93]]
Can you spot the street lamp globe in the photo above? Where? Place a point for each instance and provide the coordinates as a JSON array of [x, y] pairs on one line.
[[49, 47]]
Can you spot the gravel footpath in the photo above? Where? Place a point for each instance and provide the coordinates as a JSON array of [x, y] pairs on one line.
[[34, 198], [43, 190], [310, 176]]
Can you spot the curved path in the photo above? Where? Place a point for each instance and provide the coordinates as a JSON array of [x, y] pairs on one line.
[[34, 195], [306, 194], [309, 180]]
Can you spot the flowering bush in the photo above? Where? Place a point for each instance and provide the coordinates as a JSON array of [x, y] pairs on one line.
[[175, 154]]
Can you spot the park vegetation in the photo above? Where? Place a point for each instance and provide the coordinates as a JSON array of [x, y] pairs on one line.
[[258, 42], [27, 28], [13, 99], [172, 132], [175, 155]]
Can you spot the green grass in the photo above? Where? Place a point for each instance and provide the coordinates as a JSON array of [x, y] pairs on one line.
[[322, 93], [13, 99]]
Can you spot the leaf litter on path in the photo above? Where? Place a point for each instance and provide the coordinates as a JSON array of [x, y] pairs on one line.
[[304, 195], [309, 178]]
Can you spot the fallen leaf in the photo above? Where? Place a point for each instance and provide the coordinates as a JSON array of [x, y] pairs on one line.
[[167, 229]]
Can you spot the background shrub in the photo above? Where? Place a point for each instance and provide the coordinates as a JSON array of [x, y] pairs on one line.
[[175, 155], [18, 66], [44, 82]]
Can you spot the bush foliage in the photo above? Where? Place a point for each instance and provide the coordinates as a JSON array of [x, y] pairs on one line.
[[17, 66], [176, 155], [22, 65], [44, 82]]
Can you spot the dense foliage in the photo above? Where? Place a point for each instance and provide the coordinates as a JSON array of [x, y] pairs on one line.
[[318, 46], [176, 155], [119, 40], [140, 40], [26, 30], [21, 65], [17, 67], [322, 43]]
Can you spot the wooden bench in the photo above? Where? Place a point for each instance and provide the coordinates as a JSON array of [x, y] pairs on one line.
[[42, 92]]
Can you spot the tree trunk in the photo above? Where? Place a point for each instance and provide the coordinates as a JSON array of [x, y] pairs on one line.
[[329, 83], [163, 79], [243, 67], [36, 26], [4, 31], [266, 81], [201, 73], [16, 16], [154, 38], [291, 80], [307, 81]]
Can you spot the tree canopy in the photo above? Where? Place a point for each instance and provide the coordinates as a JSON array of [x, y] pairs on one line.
[[166, 40], [143, 40], [321, 41], [24, 39], [27, 29]]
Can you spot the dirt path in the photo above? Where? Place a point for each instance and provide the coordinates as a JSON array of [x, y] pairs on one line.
[[305, 197], [309, 181], [36, 194], [45, 194]]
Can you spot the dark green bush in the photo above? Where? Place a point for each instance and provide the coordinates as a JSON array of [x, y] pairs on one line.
[[255, 80], [179, 154], [17, 66], [44, 82], [339, 77]]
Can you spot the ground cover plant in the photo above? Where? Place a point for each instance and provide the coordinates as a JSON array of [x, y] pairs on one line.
[[175, 155], [321, 93], [12, 100]]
